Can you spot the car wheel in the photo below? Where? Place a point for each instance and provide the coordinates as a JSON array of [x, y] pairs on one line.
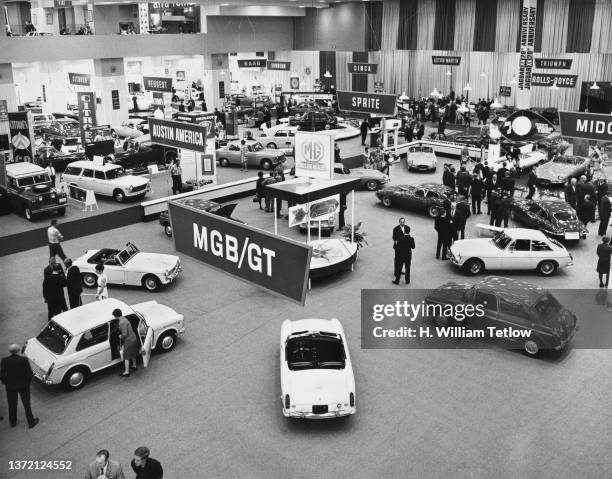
[[224, 162], [531, 347], [151, 283], [433, 211], [28, 214], [166, 342], [474, 266], [386, 201], [168, 230], [119, 196], [89, 280], [547, 268], [61, 211], [75, 378], [265, 164], [271, 145], [372, 185]]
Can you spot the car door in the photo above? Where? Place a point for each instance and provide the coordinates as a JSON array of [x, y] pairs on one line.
[[233, 153], [99, 182], [513, 314], [418, 201], [145, 335], [86, 179], [114, 270], [540, 250], [518, 255], [93, 348], [487, 303]]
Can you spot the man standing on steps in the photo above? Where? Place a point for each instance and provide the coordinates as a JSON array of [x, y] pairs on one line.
[[403, 244]]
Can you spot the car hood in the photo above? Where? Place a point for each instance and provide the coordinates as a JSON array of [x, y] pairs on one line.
[[366, 173], [152, 262], [475, 247], [422, 158], [270, 152], [157, 315], [552, 171], [318, 386], [130, 180]]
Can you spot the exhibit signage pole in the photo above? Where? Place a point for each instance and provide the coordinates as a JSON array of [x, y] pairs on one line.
[[308, 224], [352, 215], [275, 217]]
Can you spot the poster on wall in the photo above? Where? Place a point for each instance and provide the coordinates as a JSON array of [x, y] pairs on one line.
[[505, 91], [207, 164], [527, 39], [86, 104], [3, 110], [548, 79], [294, 83], [319, 210], [159, 84], [314, 154], [21, 135], [115, 99], [82, 79], [553, 63]]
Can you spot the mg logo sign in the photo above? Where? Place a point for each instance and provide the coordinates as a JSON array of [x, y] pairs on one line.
[[314, 154], [313, 151]]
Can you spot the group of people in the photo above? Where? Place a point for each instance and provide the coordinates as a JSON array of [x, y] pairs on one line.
[[143, 465], [261, 194], [586, 197]]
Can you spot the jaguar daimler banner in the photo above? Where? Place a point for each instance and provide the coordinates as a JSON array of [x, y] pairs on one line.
[[275, 263], [178, 134], [373, 103], [527, 42], [283, 66], [589, 126]]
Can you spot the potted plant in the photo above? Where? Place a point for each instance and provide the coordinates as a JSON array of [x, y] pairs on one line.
[[358, 236]]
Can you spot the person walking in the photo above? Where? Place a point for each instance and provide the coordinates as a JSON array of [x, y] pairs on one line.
[[51, 172], [243, 156], [605, 208], [73, 284], [55, 241], [144, 466], [104, 468], [531, 183], [364, 127], [604, 251], [176, 175], [476, 192], [403, 244], [586, 211], [259, 190], [442, 226], [129, 343], [102, 291], [16, 375], [53, 292]]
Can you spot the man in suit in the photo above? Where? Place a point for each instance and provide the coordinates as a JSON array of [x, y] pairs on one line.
[[605, 208], [464, 180], [458, 218], [448, 177], [495, 206], [403, 244], [364, 127], [16, 375], [73, 284], [53, 292], [146, 467], [501, 174], [503, 211], [580, 191], [571, 193], [489, 184], [531, 183], [508, 184], [104, 468], [443, 227], [476, 191]]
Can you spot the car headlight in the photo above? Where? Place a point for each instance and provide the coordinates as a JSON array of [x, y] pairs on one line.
[[131, 188], [52, 196], [287, 401]]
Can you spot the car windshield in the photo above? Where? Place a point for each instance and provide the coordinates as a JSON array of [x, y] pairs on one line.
[[128, 253], [257, 146], [501, 240], [54, 338], [115, 173], [565, 216], [568, 160], [34, 180], [547, 306], [315, 351]]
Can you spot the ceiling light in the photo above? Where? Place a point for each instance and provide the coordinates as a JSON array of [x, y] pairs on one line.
[[554, 86], [594, 86], [449, 73], [327, 74], [483, 74], [467, 87], [513, 81], [403, 97], [496, 104]]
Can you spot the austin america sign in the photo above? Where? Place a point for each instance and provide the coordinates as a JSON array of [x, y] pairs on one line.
[[178, 134], [373, 103], [362, 67], [589, 126], [274, 263]]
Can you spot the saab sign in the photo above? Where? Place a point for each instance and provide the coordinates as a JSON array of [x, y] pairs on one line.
[[82, 79], [255, 63], [362, 67], [373, 103], [589, 126], [277, 264], [178, 134], [161, 84], [314, 154]]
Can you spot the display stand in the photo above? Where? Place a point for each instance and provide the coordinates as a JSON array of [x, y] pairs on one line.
[[331, 256]]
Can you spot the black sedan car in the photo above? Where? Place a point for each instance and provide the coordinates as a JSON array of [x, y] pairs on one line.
[[58, 159], [65, 129], [204, 205], [428, 197], [314, 120], [138, 155], [515, 314], [555, 218]]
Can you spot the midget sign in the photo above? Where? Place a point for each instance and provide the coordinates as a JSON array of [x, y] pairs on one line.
[[178, 134], [274, 263], [590, 126], [314, 154]]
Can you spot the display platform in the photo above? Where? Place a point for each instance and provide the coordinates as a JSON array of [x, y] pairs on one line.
[[331, 256]]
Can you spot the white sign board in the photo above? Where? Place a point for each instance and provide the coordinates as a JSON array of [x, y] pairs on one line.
[[318, 210], [314, 154]]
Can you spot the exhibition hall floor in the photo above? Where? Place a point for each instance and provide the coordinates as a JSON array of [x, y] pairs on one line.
[[216, 397]]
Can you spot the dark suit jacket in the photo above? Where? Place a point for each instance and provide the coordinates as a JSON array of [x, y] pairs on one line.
[[398, 233], [604, 207], [73, 280], [571, 195], [404, 246], [477, 188], [15, 372], [603, 262], [448, 179], [53, 287], [151, 470], [443, 226]]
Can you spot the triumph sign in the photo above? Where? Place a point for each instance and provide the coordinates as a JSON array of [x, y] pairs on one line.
[[277, 264], [589, 126], [178, 134], [314, 154]]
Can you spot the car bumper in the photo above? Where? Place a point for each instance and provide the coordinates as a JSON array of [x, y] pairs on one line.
[[347, 411], [131, 194], [43, 378], [173, 274], [456, 261], [48, 208]]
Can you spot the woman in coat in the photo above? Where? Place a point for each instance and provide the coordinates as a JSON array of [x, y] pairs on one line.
[[604, 251], [129, 343]]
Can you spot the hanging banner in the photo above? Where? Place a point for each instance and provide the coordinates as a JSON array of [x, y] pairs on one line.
[[178, 134], [285, 66], [373, 103], [254, 63], [314, 154], [21, 135], [445, 60], [276, 264], [589, 126], [548, 79], [3, 110], [553, 63], [82, 79], [527, 39], [366, 68], [115, 99], [161, 84], [505, 91], [86, 103]]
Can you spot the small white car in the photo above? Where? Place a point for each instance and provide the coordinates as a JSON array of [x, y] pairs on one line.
[[281, 138], [107, 180], [526, 160], [129, 267], [317, 379], [132, 128], [422, 158], [510, 249], [84, 340]]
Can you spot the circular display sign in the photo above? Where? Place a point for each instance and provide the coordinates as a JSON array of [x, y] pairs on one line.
[[524, 124]]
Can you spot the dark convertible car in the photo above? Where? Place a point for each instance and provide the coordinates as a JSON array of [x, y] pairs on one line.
[[555, 218], [62, 129], [204, 205], [138, 154], [428, 197], [560, 169]]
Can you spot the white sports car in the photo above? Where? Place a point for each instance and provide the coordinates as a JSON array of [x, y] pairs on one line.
[[317, 379], [526, 160], [129, 267], [132, 128], [510, 249], [422, 158]]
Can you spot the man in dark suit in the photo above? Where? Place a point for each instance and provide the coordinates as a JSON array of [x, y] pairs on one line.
[[73, 284], [16, 375], [605, 208], [104, 467], [476, 192], [489, 183], [501, 174], [443, 227], [505, 206], [458, 215], [53, 291], [448, 177], [531, 183], [364, 127], [146, 467], [403, 244], [571, 193], [464, 180], [508, 185]]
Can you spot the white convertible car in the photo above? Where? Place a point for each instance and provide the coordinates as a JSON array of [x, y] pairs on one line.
[[510, 249], [84, 340], [526, 160], [422, 158], [129, 267], [132, 128], [317, 379]]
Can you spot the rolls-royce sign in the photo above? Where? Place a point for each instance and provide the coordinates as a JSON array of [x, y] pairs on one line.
[[360, 102], [368, 68], [548, 79], [589, 126]]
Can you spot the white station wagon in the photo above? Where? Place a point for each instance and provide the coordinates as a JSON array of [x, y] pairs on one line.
[[510, 249], [107, 180], [317, 379], [84, 340], [129, 266]]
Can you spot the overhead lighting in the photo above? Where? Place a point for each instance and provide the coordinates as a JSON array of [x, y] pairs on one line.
[[496, 104], [554, 86], [594, 86], [435, 93], [222, 72], [449, 73], [513, 81], [403, 97], [483, 74], [467, 87], [327, 74]]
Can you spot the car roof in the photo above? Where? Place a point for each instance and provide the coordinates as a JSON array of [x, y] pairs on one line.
[[525, 233], [90, 164], [83, 318], [511, 289], [23, 168]]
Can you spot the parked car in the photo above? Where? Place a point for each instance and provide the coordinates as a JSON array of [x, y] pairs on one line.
[[551, 114], [31, 192], [560, 169], [107, 180], [370, 179], [138, 153], [129, 267], [257, 156], [41, 119], [510, 249], [526, 160], [317, 380], [279, 137], [302, 108], [508, 303], [422, 158], [427, 197], [59, 159], [205, 205], [65, 129], [132, 128], [82, 341], [555, 218], [314, 120]]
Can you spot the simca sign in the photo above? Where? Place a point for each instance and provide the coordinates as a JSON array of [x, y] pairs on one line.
[[553, 63], [160, 84], [373, 103], [589, 126], [278, 265], [363, 68], [86, 102], [254, 63], [284, 66], [82, 79], [178, 134], [314, 154]]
